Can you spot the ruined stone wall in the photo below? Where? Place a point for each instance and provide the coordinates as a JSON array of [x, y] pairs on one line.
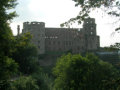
[[63, 39], [92, 40]]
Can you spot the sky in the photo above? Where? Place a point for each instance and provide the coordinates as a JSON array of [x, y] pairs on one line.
[[55, 12]]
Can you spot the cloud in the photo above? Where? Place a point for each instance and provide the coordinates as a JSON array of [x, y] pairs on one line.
[[53, 11]]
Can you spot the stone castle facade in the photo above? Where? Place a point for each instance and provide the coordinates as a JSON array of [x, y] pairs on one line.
[[63, 39]]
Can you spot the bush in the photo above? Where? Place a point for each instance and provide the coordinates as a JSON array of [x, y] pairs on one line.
[[74, 72], [44, 81], [24, 83]]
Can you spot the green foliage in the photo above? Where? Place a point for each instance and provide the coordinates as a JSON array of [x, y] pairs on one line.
[[116, 46], [110, 49], [7, 65], [74, 72], [44, 81], [25, 54], [113, 84], [111, 7], [8, 68], [6, 39], [24, 83], [4, 6], [6, 36]]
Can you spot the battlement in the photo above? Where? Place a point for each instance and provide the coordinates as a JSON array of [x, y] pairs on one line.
[[27, 25], [63, 39], [34, 23]]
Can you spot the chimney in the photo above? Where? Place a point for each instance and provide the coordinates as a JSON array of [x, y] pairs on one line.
[[18, 30]]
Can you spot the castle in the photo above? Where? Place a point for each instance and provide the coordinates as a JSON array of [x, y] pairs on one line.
[[63, 39]]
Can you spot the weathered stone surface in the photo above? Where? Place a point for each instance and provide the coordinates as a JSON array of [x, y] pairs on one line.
[[63, 39]]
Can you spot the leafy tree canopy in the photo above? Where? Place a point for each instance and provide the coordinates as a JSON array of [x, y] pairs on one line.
[[6, 36], [24, 83], [111, 7], [25, 54], [6, 5], [116, 45], [74, 72], [7, 65]]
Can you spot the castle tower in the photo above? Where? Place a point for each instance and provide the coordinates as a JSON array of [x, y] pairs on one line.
[[90, 26], [91, 38], [37, 29]]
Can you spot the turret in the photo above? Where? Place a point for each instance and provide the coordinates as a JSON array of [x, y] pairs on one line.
[[90, 26], [91, 38], [37, 30]]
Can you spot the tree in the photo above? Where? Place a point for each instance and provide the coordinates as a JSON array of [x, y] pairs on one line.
[[6, 5], [44, 81], [116, 45], [7, 65], [111, 7], [24, 83], [25, 54], [74, 72]]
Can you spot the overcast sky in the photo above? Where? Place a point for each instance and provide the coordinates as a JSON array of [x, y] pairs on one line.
[[55, 12]]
